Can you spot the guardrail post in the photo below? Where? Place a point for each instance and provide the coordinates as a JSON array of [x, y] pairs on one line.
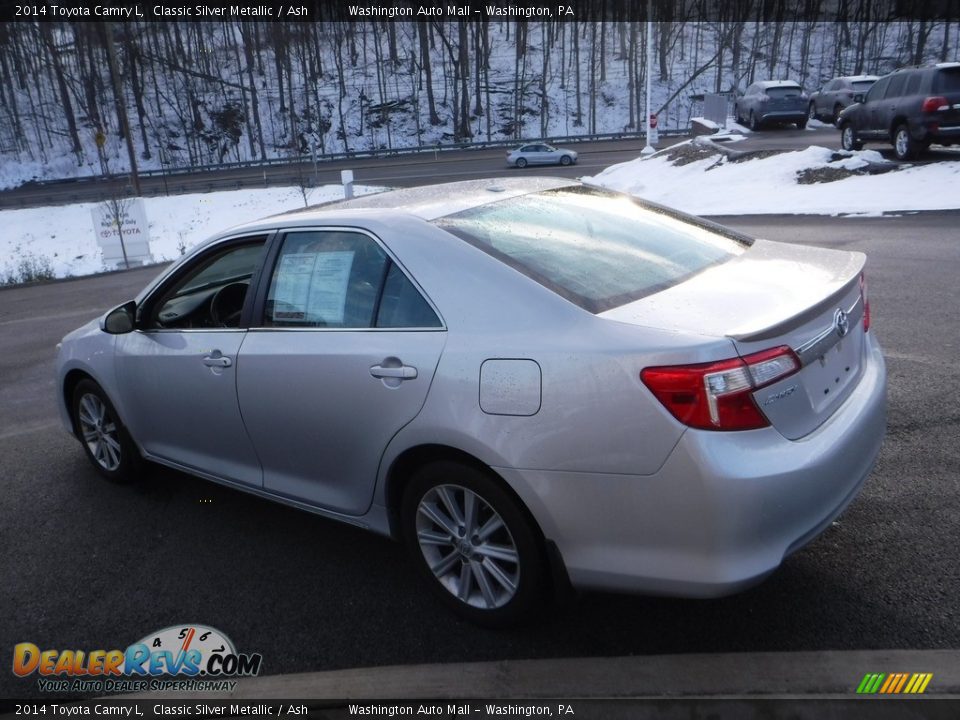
[[346, 177]]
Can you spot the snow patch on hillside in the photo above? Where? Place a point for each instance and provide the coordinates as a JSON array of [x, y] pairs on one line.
[[715, 185], [60, 240]]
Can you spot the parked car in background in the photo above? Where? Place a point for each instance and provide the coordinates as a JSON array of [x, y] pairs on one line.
[[529, 381], [910, 108], [540, 154], [837, 95], [771, 101]]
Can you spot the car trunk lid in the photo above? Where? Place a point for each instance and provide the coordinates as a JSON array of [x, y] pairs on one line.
[[808, 299]]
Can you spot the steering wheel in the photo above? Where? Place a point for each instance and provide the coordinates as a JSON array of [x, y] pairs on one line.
[[227, 304]]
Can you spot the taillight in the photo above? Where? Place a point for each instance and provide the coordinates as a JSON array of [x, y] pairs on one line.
[[764, 98], [935, 104], [866, 302], [718, 395]]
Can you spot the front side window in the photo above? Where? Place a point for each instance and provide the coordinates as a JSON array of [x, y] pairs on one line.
[[879, 87], [895, 88], [211, 293], [595, 248], [341, 279]]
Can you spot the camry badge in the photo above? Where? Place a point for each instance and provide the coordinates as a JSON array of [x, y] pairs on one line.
[[841, 323]]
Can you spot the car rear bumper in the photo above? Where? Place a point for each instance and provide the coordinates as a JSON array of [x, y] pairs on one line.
[[798, 115], [722, 512]]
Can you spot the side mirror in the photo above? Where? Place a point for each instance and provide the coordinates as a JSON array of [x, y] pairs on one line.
[[120, 320], [858, 98]]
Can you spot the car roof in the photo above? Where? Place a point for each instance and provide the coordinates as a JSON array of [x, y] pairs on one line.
[[428, 202], [777, 83]]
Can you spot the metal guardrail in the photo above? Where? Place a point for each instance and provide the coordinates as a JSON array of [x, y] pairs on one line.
[[361, 154]]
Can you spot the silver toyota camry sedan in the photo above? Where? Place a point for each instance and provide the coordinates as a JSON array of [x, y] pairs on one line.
[[531, 382]]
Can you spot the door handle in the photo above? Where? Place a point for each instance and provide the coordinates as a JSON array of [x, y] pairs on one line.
[[404, 372], [216, 359]]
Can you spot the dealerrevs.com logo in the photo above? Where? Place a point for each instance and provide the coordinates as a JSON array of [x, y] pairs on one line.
[[181, 657]]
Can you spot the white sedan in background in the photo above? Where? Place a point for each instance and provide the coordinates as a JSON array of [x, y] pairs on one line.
[[540, 154]]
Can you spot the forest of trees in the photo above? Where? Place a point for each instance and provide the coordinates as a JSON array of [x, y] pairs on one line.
[[215, 92]]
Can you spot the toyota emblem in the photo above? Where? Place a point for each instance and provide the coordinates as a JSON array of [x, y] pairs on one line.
[[841, 323]]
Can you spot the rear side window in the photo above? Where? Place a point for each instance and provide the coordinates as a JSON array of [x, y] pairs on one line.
[[595, 248], [913, 85], [341, 279], [947, 81]]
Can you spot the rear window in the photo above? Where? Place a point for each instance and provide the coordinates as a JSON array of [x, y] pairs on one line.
[[596, 248], [948, 81], [782, 92]]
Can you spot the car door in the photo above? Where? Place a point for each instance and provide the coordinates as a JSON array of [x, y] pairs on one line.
[[342, 358], [177, 370], [890, 106], [535, 154], [872, 114], [830, 97]]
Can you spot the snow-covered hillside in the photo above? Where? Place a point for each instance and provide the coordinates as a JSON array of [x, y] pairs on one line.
[[214, 92]]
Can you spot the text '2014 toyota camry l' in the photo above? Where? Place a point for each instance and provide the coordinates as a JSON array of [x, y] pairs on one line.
[[528, 381]]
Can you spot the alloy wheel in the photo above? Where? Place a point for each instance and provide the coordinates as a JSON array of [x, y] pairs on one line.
[[468, 547], [100, 432]]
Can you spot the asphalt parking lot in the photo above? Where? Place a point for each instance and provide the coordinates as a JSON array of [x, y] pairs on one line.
[[89, 565]]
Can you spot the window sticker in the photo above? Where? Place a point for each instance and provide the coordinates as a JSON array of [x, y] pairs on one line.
[[312, 287]]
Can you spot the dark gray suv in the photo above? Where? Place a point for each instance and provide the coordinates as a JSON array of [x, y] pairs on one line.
[[910, 108], [834, 96]]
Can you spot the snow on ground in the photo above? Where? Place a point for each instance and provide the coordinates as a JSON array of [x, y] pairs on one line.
[[694, 176], [715, 185], [60, 240]]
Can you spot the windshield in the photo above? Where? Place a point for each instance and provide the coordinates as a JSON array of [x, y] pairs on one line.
[[861, 86], [596, 248]]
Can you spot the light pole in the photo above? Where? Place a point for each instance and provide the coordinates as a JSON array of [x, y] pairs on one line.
[[648, 149]]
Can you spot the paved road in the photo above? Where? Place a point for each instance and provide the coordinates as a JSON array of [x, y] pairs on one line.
[[396, 170], [418, 169], [85, 564]]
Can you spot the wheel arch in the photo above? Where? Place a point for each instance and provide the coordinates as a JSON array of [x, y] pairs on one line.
[[406, 464], [898, 120], [410, 460], [70, 381]]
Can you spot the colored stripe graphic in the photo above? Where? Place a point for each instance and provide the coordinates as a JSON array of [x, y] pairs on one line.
[[894, 683]]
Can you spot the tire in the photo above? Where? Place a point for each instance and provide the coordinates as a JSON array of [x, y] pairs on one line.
[[802, 125], [736, 114], [103, 436], [493, 591], [565, 160], [848, 138], [754, 125], [521, 162], [904, 146], [812, 112]]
